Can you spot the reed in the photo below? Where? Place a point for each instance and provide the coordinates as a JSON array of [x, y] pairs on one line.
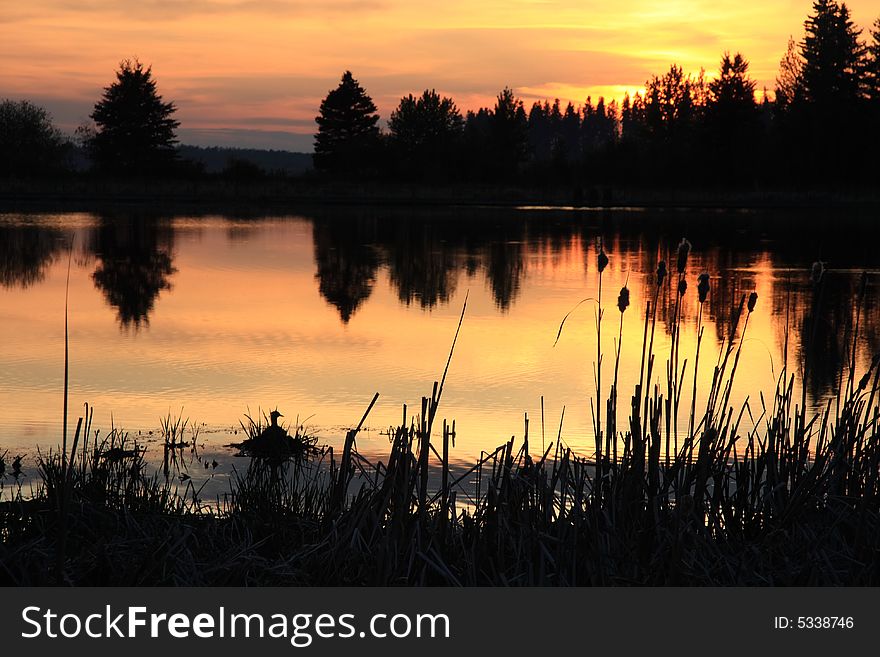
[[781, 499]]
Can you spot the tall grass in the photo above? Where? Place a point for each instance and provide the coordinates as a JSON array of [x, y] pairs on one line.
[[792, 500]]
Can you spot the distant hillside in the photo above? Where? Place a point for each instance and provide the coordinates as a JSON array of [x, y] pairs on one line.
[[215, 159]]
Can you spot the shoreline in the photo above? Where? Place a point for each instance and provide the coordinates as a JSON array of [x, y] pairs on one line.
[[84, 194]]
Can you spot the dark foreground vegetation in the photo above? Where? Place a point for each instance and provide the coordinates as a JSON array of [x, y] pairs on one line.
[[672, 495]]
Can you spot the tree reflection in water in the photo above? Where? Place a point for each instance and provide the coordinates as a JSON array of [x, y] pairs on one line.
[[134, 264]]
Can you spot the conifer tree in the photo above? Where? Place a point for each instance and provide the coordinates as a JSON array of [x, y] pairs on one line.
[[347, 132], [135, 129], [833, 56]]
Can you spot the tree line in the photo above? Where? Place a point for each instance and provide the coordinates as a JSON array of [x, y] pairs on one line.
[[821, 125]]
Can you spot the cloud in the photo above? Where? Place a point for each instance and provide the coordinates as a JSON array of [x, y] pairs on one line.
[[170, 10], [245, 138], [260, 67]]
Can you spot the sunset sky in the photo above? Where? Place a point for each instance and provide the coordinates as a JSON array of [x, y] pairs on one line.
[[252, 73]]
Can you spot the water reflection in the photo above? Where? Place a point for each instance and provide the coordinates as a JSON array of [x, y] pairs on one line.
[[26, 251], [326, 307], [429, 279], [134, 255], [346, 261], [425, 255]]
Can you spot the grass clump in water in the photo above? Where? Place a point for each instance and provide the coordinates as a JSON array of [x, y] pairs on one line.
[[783, 499]]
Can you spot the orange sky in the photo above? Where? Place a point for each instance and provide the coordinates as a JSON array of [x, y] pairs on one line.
[[252, 72]]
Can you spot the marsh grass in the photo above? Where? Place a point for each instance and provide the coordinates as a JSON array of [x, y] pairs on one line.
[[762, 494]]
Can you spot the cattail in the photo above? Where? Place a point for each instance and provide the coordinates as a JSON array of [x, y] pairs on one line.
[[703, 287], [623, 298], [682, 287], [661, 272], [684, 249], [736, 314], [818, 272], [753, 299], [863, 382], [603, 259]]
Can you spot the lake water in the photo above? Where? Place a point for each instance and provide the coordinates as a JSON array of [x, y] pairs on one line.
[[217, 315]]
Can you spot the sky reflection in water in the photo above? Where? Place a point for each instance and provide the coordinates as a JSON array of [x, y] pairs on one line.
[[315, 312]]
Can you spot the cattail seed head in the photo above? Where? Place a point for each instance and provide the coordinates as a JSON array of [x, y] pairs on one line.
[[682, 287], [753, 299], [661, 272], [603, 260], [863, 382], [703, 287], [623, 298], [817, 272], [684, 249], [866, 378]]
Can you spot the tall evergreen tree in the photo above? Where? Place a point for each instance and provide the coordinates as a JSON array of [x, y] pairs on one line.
[[631, 116], [477, 144], [674, 104], [599, 128], [509, 135], [872, 114], [732, 118], [539, 131], [873, 66], [424, 134], [733, 90], [347, 132], [824, 132], [633, 136], [135, 129], [571, 128], [673, 101], [833, 56]]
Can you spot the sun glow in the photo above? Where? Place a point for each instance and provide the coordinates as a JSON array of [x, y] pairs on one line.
[[261, 68]]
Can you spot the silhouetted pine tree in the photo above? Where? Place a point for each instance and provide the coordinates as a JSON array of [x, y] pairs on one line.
[[347, 134], [833, 57], [829, 117], [599, 128], [477, 143], [872, 76], [135, 131], [872, 113], [788, 122], [509, 135], [674, 103], [540, 134], [425, 135], [633, 121], [599, 154], [732, 119], [571, 129], [631, 152], [555, 118]]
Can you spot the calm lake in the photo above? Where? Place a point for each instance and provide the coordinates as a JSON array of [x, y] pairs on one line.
[[214, 316]]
